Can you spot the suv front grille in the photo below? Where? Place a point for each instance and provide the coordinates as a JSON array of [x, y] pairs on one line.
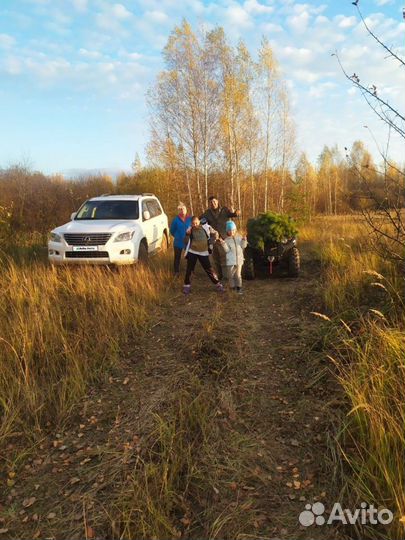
[[86, 254], [90, 239]]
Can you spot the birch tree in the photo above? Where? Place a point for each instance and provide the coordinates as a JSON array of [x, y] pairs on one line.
[[286, 142], [216, 113], [268, 76]]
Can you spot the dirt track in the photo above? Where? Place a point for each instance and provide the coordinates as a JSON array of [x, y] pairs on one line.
[[275, 403]]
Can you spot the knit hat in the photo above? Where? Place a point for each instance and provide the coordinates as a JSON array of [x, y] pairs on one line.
[[230, 226]]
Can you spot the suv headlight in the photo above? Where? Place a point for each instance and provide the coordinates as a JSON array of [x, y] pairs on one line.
[[53, 237], [124, 237]]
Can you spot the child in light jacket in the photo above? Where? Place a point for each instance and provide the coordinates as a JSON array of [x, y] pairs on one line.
[[233, 245]]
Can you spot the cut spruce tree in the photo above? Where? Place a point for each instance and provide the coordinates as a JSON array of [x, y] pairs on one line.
[[272, 246]]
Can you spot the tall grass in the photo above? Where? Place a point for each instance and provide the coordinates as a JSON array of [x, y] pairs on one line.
[[61, 329], [363, 297]]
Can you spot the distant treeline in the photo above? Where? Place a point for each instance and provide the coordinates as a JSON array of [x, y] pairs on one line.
[[33, 202]]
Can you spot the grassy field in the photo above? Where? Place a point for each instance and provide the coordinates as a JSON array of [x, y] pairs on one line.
[[364, 334], [67, 332], [159, 471]]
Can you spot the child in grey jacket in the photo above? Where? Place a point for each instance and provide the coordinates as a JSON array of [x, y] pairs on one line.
[[233, 245]]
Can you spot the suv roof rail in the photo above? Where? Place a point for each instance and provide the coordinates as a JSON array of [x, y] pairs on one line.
[[148, 195]]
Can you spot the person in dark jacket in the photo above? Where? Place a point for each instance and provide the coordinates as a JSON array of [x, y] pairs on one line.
[[178, 229], [217, 216]]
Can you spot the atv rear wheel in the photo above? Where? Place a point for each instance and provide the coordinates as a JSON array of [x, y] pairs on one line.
[[294, 262]]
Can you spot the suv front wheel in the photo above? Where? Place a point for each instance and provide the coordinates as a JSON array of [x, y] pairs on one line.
[[143, 255], [165, 242]]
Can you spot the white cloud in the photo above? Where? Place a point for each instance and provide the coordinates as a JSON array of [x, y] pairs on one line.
[[295, 8], [271, 28], [131, 55], [112, 16], [89, 54], [107, 67], [12, 66], [6, 41], [383, 2], [346, 22], [354, 52], [238, 16], [319, 90], [184, 7], [57, 28], [318, 9], [20, 20], [321, 19], [391, 91], [47, 70], [299, 23], [120, 12], [256, 8], [105, 22], [99, 75], [57, 47], [80, 5], [156, 16], [306, 76], [131, 92], [299, 55], [60, 17]]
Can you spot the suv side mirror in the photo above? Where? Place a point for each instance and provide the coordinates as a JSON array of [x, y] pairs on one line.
[[73, 215], [146, 215]]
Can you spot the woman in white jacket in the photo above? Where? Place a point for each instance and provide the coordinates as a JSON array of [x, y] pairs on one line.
[[233, 245]]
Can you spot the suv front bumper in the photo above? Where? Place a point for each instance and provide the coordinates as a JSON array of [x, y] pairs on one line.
[[111, 253]]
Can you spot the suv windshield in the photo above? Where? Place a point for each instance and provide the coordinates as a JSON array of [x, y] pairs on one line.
[[109, 210]]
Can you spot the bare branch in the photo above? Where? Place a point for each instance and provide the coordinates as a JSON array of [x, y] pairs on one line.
[[378, 40]]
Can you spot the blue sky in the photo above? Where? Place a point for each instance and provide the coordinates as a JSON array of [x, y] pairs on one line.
[[74, 73]]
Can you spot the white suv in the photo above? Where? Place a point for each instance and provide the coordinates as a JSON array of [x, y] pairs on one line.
[[111, 229]]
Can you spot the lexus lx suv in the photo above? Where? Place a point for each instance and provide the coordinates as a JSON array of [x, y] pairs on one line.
[[111, 229]]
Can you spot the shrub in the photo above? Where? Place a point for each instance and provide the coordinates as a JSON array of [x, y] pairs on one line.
[[5, 226]]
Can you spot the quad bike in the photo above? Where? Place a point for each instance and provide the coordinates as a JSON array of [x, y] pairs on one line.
[[273, 259], [272, 247]]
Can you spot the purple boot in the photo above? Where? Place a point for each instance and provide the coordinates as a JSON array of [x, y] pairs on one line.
[[186, 289], [220, 287]]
